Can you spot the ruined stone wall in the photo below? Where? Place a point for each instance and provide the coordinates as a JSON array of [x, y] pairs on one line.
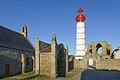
[[117, 54], [13, 58], [45, 64], [111, 64], [79, 64]]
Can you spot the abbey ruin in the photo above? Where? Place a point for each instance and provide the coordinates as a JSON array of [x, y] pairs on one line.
[[106, 60], [18, 55], [50, 59]]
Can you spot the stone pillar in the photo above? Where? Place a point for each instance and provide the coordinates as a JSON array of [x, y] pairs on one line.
[[23, 63], [111, 49], [33, 63], [104, 46], [37, 57], [53, 56], [94, 51], [67, 58]]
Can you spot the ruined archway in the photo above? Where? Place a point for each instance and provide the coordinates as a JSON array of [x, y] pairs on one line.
[[99, 48]]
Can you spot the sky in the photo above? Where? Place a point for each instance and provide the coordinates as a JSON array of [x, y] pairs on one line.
[[45, 17]]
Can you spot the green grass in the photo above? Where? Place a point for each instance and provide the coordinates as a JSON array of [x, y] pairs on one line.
[[8, 79], [21, 75], [71, 74], [26, 74]]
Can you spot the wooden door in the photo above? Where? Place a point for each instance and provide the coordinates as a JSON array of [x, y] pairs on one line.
[[7, 70]]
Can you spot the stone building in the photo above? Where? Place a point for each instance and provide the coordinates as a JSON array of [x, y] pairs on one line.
[[104, 60], [51, 59], [16, 52]]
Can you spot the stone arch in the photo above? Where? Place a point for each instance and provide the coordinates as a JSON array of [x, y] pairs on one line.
[[99, 47]]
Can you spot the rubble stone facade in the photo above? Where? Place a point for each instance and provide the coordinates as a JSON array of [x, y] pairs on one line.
[[96, 60]]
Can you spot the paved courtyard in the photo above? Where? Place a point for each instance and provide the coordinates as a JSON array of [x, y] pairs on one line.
[[100, 75], [76, 77]]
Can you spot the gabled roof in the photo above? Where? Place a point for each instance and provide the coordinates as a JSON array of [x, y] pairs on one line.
[[15, 40], [60, 46]]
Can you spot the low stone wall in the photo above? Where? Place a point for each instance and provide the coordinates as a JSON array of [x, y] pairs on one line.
[[79, 64], [109, 64]]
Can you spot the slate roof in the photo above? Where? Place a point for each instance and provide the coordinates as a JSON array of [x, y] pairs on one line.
[[15, 40], [59, 46], [45, 47]]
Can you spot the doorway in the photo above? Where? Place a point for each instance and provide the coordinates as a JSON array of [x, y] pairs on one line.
[[7, 70], [90, 62]]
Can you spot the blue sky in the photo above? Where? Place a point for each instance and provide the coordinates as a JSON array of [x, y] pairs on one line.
[[43, 17]]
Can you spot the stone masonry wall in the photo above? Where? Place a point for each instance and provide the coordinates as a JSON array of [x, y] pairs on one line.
[[13, 58], [79, 64], [109, 64], [45, 64]]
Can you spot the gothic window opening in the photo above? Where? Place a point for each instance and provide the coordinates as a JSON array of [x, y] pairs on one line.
[[99, 48], [108, 51]]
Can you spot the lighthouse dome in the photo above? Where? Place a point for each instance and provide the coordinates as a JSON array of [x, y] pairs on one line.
[[80, 18]]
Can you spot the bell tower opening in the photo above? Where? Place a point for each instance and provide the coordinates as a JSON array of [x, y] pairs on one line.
[[24, 30]]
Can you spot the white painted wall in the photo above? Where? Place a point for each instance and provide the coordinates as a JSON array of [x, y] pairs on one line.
[[80, 53], [80, 36]]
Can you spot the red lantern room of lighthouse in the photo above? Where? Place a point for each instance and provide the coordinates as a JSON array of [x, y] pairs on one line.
[[80, 17]]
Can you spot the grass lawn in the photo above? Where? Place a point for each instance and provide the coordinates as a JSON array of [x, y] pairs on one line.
[[8, 79], [26, 74], [21, 75]]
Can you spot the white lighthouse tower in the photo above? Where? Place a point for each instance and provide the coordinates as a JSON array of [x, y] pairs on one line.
[[80, 34]]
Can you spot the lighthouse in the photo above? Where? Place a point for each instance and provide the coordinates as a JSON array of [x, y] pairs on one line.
[[80, 34]]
